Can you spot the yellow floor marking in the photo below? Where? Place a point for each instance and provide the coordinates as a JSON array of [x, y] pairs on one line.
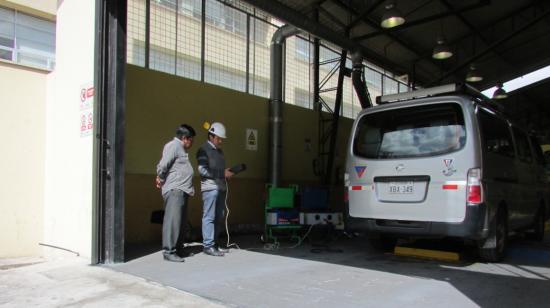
[[425, 253]]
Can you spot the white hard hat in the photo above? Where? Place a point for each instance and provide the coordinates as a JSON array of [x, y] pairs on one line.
[[217, 129]]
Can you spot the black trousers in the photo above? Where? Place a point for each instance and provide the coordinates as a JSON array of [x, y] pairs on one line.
[[175, 214]]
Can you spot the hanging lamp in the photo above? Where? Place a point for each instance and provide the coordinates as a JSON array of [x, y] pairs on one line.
[[442, 50], [391, 17], [473, 74]]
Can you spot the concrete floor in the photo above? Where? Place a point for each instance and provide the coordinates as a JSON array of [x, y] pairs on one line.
[[351, 274], [347, 274], [71, 282]]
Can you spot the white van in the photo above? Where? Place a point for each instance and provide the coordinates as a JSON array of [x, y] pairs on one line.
[[442, 162]]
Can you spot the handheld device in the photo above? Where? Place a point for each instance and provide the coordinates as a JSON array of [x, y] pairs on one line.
[[238, 168]]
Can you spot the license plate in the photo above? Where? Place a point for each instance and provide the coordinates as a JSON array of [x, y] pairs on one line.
[[401, 187]]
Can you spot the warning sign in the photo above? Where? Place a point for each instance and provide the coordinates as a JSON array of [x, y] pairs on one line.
[[251, 139], [86, 95]]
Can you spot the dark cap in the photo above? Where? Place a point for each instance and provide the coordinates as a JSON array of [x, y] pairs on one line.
[[185, 130]]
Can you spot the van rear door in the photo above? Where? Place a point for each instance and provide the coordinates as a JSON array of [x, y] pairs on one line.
[[410, 163]]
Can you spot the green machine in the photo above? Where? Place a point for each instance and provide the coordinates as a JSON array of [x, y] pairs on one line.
[[281, 216]]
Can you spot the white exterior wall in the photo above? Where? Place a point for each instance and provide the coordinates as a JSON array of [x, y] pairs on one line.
[[69, 157], [22, 123]]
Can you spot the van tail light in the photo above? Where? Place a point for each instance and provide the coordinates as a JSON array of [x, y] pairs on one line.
[[346, 195], [473, 188]]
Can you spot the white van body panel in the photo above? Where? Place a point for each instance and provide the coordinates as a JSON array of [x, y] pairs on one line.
[[435, 186]]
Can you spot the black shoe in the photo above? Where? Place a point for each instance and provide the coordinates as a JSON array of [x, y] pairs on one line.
[[173, 257], [213, 251]]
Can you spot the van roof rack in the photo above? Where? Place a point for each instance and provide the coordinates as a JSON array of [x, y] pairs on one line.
[[460, 88]]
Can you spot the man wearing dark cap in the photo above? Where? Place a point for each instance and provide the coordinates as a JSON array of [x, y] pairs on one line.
[[174, 177]]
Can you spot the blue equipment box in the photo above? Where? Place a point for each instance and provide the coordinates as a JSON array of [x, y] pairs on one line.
[[314, 198]]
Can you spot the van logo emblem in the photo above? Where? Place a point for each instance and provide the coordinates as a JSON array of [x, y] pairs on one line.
[[399, 168], [450, 170], [360, 170]]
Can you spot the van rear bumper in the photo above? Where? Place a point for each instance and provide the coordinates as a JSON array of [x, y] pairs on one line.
[[472, 227]]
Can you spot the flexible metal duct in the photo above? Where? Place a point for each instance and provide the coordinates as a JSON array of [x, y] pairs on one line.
[[276, 101], [359, 83]]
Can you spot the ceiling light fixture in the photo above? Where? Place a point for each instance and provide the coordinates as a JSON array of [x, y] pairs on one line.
[[473, 74], [391, 17], [441, 50], [500, 93]]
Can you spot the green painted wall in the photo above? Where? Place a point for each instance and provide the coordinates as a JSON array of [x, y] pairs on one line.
[[156, 103]]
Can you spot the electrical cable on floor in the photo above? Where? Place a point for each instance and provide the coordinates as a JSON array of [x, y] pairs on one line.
[[227, 217], [301, 239]]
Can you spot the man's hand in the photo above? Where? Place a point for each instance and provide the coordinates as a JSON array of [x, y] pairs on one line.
[[158, 182], [228, 174]]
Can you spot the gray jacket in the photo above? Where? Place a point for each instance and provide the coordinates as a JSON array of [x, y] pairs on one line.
[[174, 169], [211, 167]]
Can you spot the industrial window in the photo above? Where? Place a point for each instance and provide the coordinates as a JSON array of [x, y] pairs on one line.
[[374, 82], [349, 106], [225, 17], [302, 98], [260, 34], [135, 46], [27, 40], [390, 86], [302, 50], [188, 39], [235, 52], [162, 56], [191, 8], [328, 61], [297, 73], [225, 54], [225, 77]]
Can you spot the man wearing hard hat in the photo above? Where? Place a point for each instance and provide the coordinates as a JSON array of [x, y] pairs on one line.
[[213, 187]]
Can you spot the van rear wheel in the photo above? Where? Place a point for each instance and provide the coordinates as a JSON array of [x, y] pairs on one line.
[[493, 248]]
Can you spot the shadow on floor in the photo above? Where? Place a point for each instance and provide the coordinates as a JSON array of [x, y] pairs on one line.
[[331, 269]]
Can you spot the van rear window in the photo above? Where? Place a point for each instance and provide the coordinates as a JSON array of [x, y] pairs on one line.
[[410, 132]]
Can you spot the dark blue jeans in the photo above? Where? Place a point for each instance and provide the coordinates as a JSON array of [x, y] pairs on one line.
[[212, 216]]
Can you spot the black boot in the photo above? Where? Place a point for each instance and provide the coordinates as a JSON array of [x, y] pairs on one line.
[[213, 251]]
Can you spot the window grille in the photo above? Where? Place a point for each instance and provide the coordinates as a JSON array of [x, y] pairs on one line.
[[135, 50], [234, 33]]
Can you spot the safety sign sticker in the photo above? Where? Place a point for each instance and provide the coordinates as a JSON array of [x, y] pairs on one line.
[[360, 170], [86, 115], [251, 139]]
